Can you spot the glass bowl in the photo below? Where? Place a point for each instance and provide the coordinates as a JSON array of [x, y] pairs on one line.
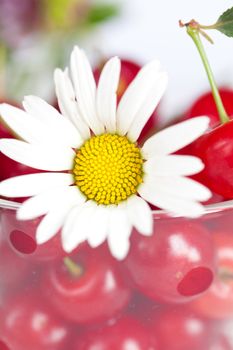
[[174, 290]]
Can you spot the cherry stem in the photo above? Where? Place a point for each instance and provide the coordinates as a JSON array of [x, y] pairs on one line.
[[225, 274], [194, 34], [74, 269], [213, 26]]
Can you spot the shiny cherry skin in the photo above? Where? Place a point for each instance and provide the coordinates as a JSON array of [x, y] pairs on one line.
[[215, 148], [28, 323], [124, 334], [175, 264], [179, 329], [217, 302], [95, 293], [205, 105], [21, 237], [129, 70]]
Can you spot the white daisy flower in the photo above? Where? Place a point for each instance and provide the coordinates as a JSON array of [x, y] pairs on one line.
[[98, 181]]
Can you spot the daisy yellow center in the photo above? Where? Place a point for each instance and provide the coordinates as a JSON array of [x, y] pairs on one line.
[[108, 168]]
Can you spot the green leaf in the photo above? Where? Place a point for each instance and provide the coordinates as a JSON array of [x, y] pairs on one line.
[[225, 23], [101, 12]]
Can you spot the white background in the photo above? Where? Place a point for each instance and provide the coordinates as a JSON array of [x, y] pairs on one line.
[[149, 29]]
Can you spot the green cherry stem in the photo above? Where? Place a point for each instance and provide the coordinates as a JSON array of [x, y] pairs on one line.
[[213, 26], [194, 34], [225, 274], [74, 269]]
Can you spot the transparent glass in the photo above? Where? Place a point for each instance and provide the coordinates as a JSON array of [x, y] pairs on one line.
[[174, 291]]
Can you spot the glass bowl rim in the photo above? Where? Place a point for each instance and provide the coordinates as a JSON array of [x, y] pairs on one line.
[[210, 208]]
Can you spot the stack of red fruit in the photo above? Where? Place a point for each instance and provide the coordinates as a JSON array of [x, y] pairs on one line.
[[174, 291]]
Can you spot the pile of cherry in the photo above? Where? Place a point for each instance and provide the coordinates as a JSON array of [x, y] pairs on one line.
[[174, 291], [162, 296]]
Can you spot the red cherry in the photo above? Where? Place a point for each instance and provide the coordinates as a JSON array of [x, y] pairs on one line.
[[5, 132], [26, 322], [175, 264], [143, 308], [3, 346], [221, 343], [10, 168], [13, 269], [179, 329], [205, 105], [21, 237], [220, 221], [124, 334], [95, 292], [217, 302], [215, 198], [129, 70], [215, 148]]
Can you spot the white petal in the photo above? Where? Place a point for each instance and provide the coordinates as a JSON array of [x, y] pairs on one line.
[[119, 232], [99, 225], [182, 187], [173, 165], [67, 103], [51, 224], [136, 95], [56, 217], [23, 124], [85, 89], [32, 184], [148, 106], [76, 229], [175, 137], [140, 215], [47, 201], [42, 157], [69, 228], [61, 130], [174, 205], [106, 93]]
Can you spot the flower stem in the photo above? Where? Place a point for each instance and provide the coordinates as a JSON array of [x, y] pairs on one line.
[[194, 34], [74, 269]]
